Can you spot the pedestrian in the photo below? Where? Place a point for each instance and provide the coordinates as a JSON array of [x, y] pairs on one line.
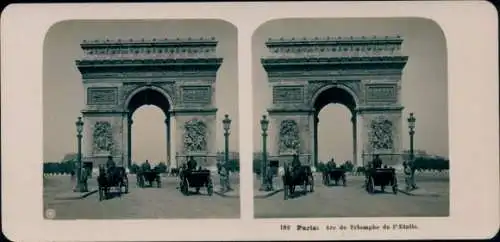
[[73, 179], [407, 172]]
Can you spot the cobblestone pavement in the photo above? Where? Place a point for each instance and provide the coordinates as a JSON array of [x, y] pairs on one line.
[[354, 201], [140, 203]]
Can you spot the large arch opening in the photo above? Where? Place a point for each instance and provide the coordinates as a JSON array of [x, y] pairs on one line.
[[335, 126], [148, 110]]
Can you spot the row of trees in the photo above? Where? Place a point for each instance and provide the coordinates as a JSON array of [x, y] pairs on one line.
[[422, 163], [432, 164], [68, 166], [65, 167]]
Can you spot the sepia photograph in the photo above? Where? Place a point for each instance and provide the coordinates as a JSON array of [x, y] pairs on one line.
[[263, 121], [353, 118], [140, 120]]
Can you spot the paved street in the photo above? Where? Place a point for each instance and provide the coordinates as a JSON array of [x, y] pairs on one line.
[[354, 201], [140, 203]]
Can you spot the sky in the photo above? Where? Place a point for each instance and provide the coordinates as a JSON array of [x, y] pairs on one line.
[[63, 93], [424, 81]]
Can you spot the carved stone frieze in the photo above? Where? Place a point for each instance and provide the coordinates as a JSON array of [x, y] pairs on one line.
[[120, 75], [155, 48], [289, 136], [344, 47], [195, 134], [288, 94], [103, 137], [381, 93], [196, 94], [337, 73], [102, 96], [380, 135]]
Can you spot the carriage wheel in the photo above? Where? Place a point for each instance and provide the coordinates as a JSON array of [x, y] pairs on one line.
[[395, 186], [184, 187], [101, 193], [210, 188], [158, 181], [106, 193], [125, 183], [140, 181], [370, 186]]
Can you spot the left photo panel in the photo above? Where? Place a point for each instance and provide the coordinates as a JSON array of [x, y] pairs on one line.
[[140, 120]]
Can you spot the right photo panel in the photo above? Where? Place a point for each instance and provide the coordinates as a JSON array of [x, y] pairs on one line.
[[351, 118]]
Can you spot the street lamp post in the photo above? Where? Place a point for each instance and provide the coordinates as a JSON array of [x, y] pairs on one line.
[[411, 126], [264, 124], [226, 123], [80, 187]]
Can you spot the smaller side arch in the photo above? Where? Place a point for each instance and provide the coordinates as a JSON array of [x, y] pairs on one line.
[[339, 86], [144, 88]]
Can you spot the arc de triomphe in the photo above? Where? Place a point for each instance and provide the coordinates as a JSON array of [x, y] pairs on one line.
[[362, 73], [176, 75]]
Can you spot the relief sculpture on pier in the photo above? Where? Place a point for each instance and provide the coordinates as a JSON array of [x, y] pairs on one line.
[[289, 136], [195, 136], [103, 137], [381, 134]]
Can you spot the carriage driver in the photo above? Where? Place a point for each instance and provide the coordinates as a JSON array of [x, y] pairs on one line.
[[191, 164], [110, 163], [296, 161], [377, 162], [146, 166], [332, 164]]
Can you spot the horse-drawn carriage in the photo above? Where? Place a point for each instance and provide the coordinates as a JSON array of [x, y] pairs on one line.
[[149, 177], [297, 176], [112, 178], [381, 177], [190, 178], [336, 174]]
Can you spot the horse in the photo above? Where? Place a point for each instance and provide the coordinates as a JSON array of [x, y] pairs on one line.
[[149, 176], [294, 176], [174, 172], [111, 177]]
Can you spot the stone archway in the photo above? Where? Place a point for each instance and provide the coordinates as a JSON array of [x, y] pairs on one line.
[[148, 95], [176, 75], [363, 73], [340, 94]]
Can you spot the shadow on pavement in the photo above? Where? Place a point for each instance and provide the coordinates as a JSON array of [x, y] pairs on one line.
[[297, 194]]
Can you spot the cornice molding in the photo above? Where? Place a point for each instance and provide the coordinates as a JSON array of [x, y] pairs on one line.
[[289, 110], [145, 62], [333, 63], [189, 41], [367, 109], [333, 60], [180, 111], [332, 40]]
